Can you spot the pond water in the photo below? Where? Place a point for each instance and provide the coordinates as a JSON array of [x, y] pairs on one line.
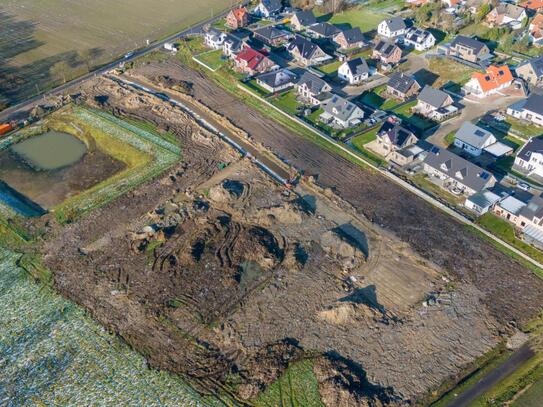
[[51, 167], [50, 151]]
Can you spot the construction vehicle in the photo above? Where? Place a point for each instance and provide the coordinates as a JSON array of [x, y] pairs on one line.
[[5, 128]]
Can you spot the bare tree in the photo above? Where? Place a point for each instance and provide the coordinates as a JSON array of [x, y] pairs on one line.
[[60, 70]]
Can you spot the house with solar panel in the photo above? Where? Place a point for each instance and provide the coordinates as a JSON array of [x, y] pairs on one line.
[[395, 142], [456, 174], [475, 140], [419, 39]]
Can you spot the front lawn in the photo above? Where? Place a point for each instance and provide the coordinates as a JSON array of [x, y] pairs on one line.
[[506, 231], [524, 129], [213, 59], [374, 99], [287, 102], [404, 113], [329, 69], [361, 140]]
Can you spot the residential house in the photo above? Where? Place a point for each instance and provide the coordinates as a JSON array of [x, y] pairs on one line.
[[268, 8], [237, 18], [456, 173], [253, 62], [452, 3], [302, 19], [535, 30], [387, 52], [482, 202], [322, 30], [469, 49], [350, 39], [392, 27], [530, 109], [494, 80], [394, 142], [312, 89], [510, 208], [506, 14], [276, 81], [306, 52], [402, 86], [473, 139], [272, 36], [531, 71], [529, 160], [232, 45], [214, 38], [435, 104], [340, 113], [419, 39], [535, 6], [354, 71], [531, 221]]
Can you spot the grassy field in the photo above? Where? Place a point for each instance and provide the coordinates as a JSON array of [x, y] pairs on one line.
[[286, 101], [448, 71], [213, 59], [297, 387], [364, 17], [404, 113], [35, 36], [374, 99], [59, 356], [505, 230]]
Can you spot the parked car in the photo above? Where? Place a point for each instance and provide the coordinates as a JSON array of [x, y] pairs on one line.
[[524, 186]]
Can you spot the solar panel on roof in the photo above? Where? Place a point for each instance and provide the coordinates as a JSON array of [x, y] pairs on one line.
[[485, 175], [434, 150], [479, 133]]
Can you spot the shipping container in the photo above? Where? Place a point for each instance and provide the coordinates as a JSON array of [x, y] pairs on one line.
[[5, 128]]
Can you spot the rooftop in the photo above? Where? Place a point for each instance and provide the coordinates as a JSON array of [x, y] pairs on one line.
[[473, 135]]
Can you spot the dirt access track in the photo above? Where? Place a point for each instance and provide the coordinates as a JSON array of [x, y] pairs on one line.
[[511, 292], [226, 277]]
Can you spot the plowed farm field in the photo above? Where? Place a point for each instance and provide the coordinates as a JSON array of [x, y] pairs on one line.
[[43, 42]]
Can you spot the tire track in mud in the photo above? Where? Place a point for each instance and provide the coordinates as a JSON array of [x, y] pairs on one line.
[[512, 292]]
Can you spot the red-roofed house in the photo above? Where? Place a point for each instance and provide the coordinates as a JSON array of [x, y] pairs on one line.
[[536, 30], [535, 5], [237, 18], [253, 62], [495, 79]]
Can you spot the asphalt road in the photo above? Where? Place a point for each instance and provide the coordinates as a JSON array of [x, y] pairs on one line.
[[10, 112], [517, 359]]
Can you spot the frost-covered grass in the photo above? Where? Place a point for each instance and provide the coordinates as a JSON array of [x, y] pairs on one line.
[[52, 353]]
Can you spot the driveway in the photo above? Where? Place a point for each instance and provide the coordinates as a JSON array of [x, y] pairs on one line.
[[473, 109]]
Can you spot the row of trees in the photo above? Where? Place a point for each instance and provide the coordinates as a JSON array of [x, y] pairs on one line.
[[64, 70]]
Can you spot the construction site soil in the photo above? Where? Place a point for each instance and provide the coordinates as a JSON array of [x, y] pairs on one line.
[[215, 271]]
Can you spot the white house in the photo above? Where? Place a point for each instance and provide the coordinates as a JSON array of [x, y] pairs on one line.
[[529, 160], [268, 8], [340, 113], [494, 80], [473, 139], [392, 28], [530, 109], [354, 71], [482, 202], [214, 38], [419, 39]]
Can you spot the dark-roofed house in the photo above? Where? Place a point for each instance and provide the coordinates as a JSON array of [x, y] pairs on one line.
[[312, 89], [276, 81], [268, 8], [232, 45], [530, 109], [402, 86], [350, 39], [394, 141], [387, 52], [322, 30], [529, 160], [354, 71], [531, 71], [302, 19], [469, 49], [306, 52], [473, 139], [435, 104], [272, 36], [214, 38], [456, 173], [482, 202], [340, 113], [392, 28], [419, 39]]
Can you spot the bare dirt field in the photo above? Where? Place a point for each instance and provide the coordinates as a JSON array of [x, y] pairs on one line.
[[226, 277], [36, 35], [511, 292]]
